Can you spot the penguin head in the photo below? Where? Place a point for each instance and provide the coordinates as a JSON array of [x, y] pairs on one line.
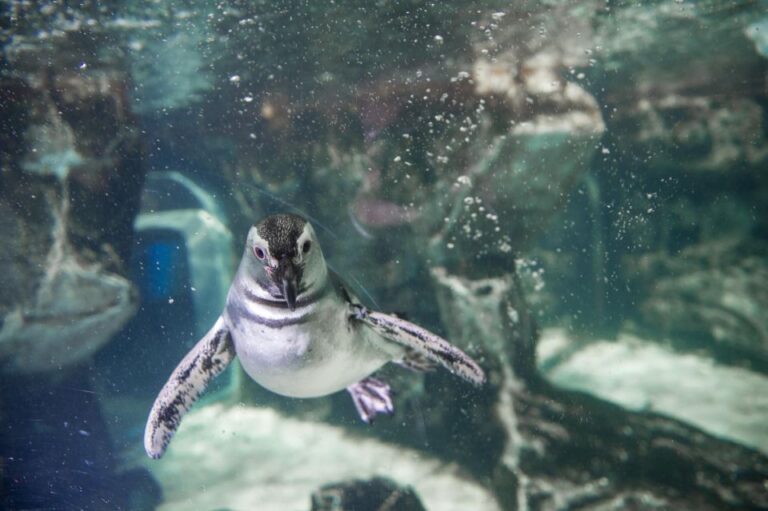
[[284, 257]]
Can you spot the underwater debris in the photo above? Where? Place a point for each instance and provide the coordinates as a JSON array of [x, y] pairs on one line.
[[378, 493]]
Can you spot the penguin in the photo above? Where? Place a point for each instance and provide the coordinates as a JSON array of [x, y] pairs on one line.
[[299, 331]]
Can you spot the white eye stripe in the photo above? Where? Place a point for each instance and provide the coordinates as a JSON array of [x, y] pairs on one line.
[[305, 243]]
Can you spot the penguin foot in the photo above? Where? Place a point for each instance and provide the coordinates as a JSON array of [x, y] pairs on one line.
[[371, 397], [359, 312]]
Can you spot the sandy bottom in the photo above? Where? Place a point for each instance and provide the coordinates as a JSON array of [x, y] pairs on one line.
[[244, 458], [725, 401]]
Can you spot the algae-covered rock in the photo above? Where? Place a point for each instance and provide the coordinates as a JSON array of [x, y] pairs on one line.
[[710, 296], [725, 401], [696, 133], [254, 457], [681, 86], [457, 144], [570, 450], [375, 494], [658, 63], [71, 175], [71, 171]]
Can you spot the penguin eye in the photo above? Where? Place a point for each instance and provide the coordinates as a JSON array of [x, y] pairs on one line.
[[259, 253], [307, 245]]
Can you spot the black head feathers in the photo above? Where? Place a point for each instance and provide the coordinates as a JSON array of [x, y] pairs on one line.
[[281, 232]]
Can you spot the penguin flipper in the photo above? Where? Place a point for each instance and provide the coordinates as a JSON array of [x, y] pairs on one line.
[[210, 356], [416, 361], [414, 337]]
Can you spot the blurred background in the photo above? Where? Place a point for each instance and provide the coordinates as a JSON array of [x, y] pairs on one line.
[[573, 192]]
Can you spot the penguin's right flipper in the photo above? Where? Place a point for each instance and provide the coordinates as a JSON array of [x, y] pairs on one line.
[[210, 356]]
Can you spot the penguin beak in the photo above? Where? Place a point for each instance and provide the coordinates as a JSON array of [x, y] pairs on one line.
[[289, 293], [289, 281]]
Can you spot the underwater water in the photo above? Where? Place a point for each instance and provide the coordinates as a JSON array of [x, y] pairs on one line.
[[572, 193]]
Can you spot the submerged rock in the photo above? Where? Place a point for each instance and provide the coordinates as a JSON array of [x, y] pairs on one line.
[[696, 133], [728, 402], [377, 494], [683, 159], [657, 64], [71, 171], [570, 450], [70, 190], [710, 296], [68, 194], [247, 458], [470, 143]]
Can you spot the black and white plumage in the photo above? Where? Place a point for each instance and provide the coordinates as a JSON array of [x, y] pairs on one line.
[[298, 331]]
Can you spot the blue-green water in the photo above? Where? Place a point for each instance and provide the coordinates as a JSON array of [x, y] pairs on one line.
[[574, 193]]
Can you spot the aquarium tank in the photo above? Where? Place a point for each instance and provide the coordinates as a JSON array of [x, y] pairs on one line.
[[553, 213]]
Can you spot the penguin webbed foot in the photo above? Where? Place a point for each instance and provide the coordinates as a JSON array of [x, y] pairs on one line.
[[359, 312], [371, 397]]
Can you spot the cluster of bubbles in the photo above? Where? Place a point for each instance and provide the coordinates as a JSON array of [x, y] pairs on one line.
[[531, 271]]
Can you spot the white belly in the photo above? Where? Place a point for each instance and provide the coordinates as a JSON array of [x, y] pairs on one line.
[[310, 359]]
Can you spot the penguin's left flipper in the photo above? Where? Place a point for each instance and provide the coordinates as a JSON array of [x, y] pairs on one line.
[[416, 361], [210, 356], [414, 337]]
